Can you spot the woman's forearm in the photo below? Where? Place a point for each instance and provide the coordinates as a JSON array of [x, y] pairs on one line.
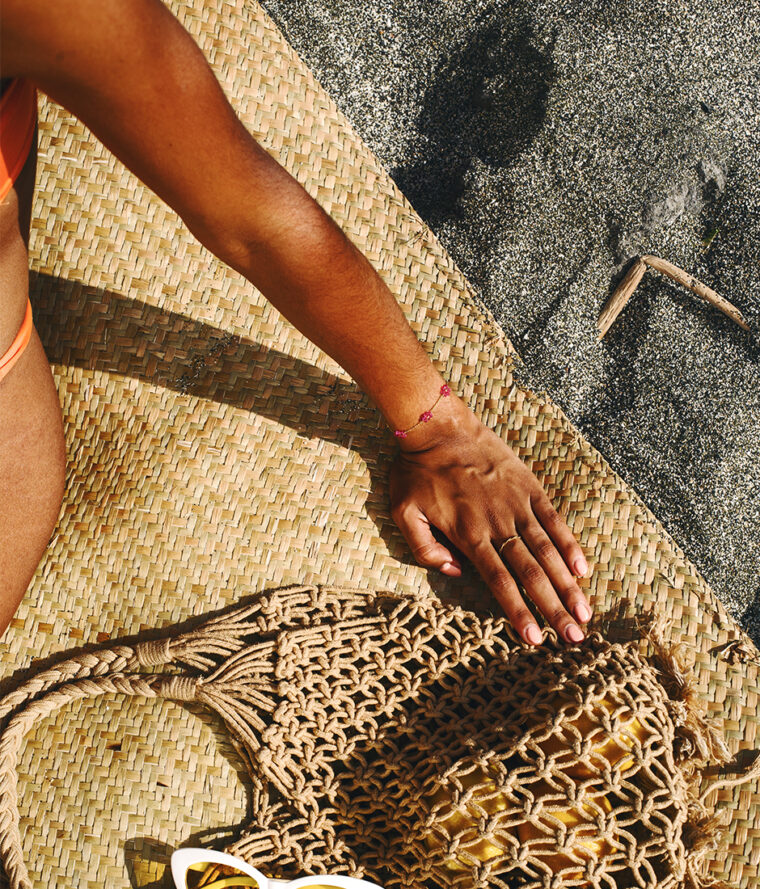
[[294, 253]]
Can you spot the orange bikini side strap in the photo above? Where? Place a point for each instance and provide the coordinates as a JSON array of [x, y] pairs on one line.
[[19, 344]]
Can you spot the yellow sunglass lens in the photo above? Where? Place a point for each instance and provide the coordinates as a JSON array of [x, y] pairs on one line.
[[210, 875]]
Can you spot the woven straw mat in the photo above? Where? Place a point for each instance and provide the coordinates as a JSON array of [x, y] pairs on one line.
[[214, 452]]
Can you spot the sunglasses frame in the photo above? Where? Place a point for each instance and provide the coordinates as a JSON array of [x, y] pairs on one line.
[[184, 859]]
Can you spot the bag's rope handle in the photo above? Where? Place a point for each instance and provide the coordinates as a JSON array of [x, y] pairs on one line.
[[179, 688], [201, 648], [98, 663], [113, 670]]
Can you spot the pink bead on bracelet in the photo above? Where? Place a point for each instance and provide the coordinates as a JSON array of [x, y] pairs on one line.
[[425, 416]]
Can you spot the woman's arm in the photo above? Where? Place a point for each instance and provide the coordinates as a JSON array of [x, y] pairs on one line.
[[134, 76]]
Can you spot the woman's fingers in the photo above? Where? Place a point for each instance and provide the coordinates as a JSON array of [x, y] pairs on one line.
[[542, 588], [555, 569], [428, 552], [556, 527], [531, 557], [501, 583]]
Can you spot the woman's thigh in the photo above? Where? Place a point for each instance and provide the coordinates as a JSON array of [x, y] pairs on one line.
[[32, 472], [32, 460]]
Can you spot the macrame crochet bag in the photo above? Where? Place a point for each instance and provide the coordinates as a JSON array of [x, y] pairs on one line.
[[419, 745]]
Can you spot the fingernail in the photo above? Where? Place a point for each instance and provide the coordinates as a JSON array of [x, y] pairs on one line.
[[574, 634], [581, 566], [534, 635], [582, 613], [450, 566]]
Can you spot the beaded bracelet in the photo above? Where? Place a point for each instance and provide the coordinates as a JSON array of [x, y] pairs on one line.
[[425, 416]]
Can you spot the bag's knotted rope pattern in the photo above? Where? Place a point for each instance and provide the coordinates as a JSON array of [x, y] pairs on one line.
[[421, 745]]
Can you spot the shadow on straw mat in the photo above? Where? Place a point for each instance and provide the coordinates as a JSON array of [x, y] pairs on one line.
[[91, 328], [148, 860]]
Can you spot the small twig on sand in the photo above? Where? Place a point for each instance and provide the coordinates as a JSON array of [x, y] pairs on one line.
[[667, 268], [623, 292]]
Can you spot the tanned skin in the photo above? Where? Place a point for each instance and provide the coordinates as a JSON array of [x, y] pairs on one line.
[[133, 75]]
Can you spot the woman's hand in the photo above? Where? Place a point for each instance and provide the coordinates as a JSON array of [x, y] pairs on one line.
[[459, 476]]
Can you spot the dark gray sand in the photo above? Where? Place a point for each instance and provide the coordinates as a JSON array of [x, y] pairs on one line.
[[547, 144]]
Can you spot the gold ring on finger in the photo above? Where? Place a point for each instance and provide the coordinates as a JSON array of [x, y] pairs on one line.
[[508, 540]]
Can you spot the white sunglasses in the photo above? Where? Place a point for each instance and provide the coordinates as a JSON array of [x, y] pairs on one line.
[[206, 869]]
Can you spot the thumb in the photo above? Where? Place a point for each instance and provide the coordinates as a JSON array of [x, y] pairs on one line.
[[415, 527]]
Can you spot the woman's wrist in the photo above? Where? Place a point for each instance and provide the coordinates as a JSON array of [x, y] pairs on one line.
[[450, 418], [427, 415]]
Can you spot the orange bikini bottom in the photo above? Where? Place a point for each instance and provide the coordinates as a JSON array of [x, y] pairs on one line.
[[18, 118], [19, 344]]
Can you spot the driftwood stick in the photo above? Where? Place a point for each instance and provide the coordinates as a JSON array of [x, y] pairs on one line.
[[623, 292], [672, 271]]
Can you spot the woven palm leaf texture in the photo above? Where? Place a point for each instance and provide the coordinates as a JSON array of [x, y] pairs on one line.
[[421, 746], [214, 452]]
